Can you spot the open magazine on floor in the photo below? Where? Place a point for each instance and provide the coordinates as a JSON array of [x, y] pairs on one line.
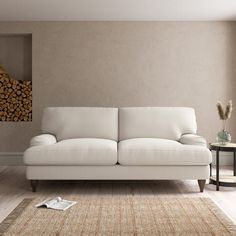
[[56, 203]]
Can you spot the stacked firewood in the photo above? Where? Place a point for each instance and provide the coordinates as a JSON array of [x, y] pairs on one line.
[[15, 98]]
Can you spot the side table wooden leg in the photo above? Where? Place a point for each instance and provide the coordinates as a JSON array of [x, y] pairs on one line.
[[234, 163], [217, 170]]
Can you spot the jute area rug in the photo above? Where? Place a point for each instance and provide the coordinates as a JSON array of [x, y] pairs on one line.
[[120, 215]]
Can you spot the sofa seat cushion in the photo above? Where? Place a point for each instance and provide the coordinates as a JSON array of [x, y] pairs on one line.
[[149, 151], [84, 151]]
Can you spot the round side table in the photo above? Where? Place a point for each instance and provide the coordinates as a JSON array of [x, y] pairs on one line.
[[225, 180]]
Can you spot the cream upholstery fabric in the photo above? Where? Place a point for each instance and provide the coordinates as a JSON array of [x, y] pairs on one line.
[[83, 151], [148, 151], [81, 143], [81, 122], [156, 122], [43, 139], [117, 172], [193, 139]]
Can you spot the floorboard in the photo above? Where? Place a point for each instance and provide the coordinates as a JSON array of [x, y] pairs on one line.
[[14, 188]]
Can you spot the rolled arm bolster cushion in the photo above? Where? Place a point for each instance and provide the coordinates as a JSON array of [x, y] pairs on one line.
[[193, 139], [43, 139]]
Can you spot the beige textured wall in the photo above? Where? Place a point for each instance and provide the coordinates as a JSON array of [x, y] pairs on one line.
[[16, 55], [128, 64]]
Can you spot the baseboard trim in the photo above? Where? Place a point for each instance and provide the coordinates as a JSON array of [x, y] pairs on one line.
[[11, 159]]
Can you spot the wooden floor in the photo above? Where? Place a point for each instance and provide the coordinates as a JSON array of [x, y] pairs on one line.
[[14, 187]]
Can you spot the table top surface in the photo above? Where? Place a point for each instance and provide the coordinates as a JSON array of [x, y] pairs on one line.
[[229, 145]]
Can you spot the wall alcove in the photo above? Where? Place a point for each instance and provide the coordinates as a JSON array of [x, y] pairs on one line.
[[15, 77]]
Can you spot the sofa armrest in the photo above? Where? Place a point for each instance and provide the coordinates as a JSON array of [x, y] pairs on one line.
[[193, 139], [43, 139]]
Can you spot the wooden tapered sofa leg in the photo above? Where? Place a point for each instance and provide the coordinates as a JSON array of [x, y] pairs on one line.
[[34, 184], [201, 184]]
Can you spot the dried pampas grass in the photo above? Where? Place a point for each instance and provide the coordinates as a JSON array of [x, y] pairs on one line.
[[228, 110], [224, 115], [220, 110]]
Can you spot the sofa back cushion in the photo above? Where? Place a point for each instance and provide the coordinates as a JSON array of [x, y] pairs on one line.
[[156, 122], [81, 122]]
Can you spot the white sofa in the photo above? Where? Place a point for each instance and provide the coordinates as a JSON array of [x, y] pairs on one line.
[[110, 143]]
